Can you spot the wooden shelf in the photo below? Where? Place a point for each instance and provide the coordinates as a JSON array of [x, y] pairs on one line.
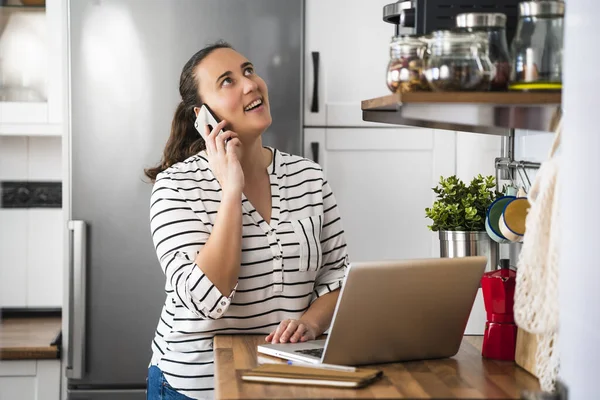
[[479, 112]]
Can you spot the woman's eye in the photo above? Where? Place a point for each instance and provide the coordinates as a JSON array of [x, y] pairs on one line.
[[249, 71], [226, 82]]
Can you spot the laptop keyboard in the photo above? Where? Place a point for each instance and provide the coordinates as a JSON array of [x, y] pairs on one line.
[[311, 352]]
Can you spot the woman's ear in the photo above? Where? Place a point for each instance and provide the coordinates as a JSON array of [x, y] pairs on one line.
[[196, 111]]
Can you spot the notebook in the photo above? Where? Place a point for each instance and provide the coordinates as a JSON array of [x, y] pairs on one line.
[[300, 375]]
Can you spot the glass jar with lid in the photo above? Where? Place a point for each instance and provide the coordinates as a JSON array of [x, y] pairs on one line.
[[405, 69], [494, 26], [537, 47], [458, 61]]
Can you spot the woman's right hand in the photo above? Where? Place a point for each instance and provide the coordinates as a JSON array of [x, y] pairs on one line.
[[224, 158]]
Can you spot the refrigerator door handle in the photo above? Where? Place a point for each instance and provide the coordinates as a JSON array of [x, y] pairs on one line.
[[315, 98], [77, 296]]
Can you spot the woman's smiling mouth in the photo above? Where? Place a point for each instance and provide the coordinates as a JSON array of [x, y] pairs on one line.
[[255, 105]]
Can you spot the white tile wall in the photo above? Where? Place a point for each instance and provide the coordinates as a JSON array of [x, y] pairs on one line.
[[475, 154], [532, 146], [13, 158], [31, 250], [44, 157]]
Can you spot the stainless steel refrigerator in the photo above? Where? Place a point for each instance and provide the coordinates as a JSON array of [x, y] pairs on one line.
[[125, 60]]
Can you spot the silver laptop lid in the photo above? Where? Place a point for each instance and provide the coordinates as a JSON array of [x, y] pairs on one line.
[[403, 310]]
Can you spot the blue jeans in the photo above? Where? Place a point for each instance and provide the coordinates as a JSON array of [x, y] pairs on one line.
[[159, 388]]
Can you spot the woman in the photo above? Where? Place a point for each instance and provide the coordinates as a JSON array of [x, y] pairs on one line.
[[249, 238]]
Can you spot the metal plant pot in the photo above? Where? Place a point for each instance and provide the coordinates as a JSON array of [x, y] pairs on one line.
[[469, 243]]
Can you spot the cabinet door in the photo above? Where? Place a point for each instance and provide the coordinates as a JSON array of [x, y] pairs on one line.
[[382, 180], [43, 31], [352, 42], [56, 15], [48, 380], [13, 258], [17, 379], [30, 379], [45, 258]]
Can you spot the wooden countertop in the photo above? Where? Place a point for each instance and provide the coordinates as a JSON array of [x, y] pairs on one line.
[[28, 338], [466, 375]]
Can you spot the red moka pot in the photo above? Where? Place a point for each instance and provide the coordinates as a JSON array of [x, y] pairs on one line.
[[500, 337]]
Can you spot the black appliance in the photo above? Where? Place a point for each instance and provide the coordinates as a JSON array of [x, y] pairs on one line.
[[425, 16]]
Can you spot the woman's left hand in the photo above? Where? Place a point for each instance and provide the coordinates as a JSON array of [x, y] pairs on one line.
[[293, 330]]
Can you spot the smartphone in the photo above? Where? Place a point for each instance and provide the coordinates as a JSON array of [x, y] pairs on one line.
[[206, 117]]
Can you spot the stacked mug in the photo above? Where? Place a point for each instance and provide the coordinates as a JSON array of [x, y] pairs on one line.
[[505, 217]]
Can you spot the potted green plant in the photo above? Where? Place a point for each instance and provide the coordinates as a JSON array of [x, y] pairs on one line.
[[458, 214]]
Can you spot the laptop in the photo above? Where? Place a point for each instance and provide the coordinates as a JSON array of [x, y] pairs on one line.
[[391, 311]]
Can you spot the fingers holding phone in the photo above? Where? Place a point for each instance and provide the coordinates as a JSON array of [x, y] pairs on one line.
[[233, 146], [211, 135], [222, 139]]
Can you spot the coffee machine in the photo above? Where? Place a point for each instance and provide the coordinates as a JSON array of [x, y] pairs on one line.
[[424, 16]]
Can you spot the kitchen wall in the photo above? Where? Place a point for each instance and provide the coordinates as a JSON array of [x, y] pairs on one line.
[[30, 238], [30, 246], [475, 153], [532, 146]]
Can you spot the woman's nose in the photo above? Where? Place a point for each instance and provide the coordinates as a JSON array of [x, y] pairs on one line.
[[249, 85]]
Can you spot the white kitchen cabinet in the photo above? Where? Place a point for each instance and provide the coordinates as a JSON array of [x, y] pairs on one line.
[[30, 379], [31, 258], [31, 242], [29, 34], [45, 258], [382, 180], [13, 258], [352, 42]]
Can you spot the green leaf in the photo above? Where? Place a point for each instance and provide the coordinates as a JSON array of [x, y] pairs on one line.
[[461, 207]]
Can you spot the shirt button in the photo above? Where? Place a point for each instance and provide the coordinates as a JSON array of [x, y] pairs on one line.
[[278, 257], [223, 303], [219, 310]]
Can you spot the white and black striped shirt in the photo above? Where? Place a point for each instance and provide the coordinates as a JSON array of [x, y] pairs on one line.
[[285, 264]]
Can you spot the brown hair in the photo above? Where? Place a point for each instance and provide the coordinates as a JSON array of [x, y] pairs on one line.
[[184, 140]]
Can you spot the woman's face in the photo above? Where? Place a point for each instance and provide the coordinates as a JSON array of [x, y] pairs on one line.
[[232, 89]]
